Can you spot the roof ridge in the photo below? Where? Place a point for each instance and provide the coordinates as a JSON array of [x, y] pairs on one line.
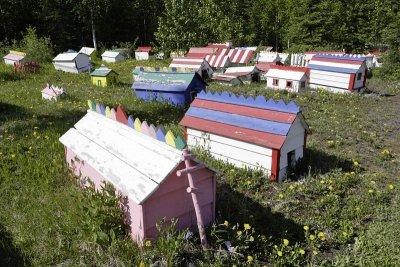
[[156, 132], [258, 102]]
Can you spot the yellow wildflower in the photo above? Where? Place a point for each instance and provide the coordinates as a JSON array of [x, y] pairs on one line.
[[239, 233], [249, 259], [251, 238], [356, 163], [148, 243], [246, 226], [285, 242], [280, 253], [321, 235], [142, 264], [226, 223], [315, 252], [370, 191], [312, 237], [306, 228], [302, 251], [391, 187], [280, 195]]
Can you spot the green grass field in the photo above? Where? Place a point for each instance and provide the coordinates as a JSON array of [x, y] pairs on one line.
[[343, 211]]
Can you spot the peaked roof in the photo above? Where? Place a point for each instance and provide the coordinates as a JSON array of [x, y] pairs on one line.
[[241, 55], [336, 63], [157, 80], [102, 72], [68, 56], [201, 52], [13, 56], [188, 62], [87, 50], [253, 120], [241, 71], [111, 53], [287, 72], [143, 49]]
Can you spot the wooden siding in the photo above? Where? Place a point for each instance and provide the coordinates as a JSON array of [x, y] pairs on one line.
[[225, 148]]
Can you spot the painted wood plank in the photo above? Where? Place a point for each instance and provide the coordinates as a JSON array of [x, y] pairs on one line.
[[92, 105], [102, 110], [180, 142], [145, 128], [160, 133], [138, 125], [276, 116], [242, 155], [153, 131], [108, 112], [113, 114], [125, 178], [121, 115], [239, 121], [231, 142], [247, 135], [131, 122], [170, 139], [98, 109]]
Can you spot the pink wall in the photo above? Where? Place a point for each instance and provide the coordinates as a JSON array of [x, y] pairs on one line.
[[169, 201]]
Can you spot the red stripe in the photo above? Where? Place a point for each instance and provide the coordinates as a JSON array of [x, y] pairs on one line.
[[275, 165], [249, 57], [246, 135], [186, 62], [336, 60], [351, 82], [270, 115]]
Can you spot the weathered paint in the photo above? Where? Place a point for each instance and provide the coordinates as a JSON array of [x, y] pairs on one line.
[[101, 150]]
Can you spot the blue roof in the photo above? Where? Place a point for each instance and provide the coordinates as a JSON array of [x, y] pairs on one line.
[[331, 69], [156, 86], [258, 102], [247, 122], [345, 56]]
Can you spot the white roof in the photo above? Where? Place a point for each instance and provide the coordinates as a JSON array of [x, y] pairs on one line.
[[268, 57], [133, 162], [285, 74], [247, 69], [110, 54], [66, 56], [87, 50]]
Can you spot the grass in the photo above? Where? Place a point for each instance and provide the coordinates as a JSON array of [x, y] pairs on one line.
[[347, 186]]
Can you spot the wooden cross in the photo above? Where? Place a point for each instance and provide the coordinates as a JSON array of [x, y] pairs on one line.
[[193, 191]]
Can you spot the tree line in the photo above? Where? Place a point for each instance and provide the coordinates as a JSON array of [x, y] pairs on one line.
[[291, 25]]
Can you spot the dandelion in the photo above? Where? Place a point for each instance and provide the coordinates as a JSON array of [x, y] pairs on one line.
[[371, 191], [312, 237], [249, 259], [302, 251], [373, 182], [315, 252], [391, 187], [330, 188], [385, 152], [280, 253], [239, 233], [321, 235], [251, 238], [148, 243], [285, 242], [248, 182], [246, 226], [142, 264], [280, 195], [356, 163], [13, 155], [306, 228], [226, 223]]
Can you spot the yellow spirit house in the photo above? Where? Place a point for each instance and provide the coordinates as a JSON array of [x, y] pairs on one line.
[[104, 76]]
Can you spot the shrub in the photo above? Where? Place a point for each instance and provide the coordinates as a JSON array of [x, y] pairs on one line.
[[37, 48]]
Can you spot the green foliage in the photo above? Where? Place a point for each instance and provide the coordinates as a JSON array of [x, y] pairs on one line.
[[103, 222], [37, 48]]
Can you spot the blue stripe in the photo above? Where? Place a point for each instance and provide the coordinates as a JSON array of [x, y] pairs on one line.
[[332, 69], [240, 121], [346, 57], [153, 86], [258, 102]]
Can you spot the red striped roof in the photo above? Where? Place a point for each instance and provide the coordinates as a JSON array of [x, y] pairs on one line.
[[240, 55], [220, 59], [201, 52]]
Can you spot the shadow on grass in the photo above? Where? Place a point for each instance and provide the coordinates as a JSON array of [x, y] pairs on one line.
[[11, 111], [233, 206], [318, 162], [10, 255], [10, 76], [375, 92]]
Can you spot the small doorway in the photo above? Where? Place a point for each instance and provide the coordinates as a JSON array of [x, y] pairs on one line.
[[291, 158], [98, 82]]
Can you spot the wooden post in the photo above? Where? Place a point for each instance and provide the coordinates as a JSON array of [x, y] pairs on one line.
[[193, 191]]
